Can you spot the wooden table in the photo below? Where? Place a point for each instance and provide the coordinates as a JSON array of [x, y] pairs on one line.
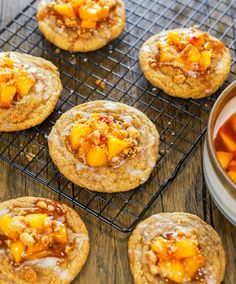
[[108, 260]]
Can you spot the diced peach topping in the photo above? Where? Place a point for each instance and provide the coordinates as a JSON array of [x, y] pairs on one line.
[[15, 82], [192, 50], [96, 157], [77, 132], [178, 257], [36, 221], [17, 250], [7, 228], [88, 24], [87, 12], [65, 10], [60, 234], [24, 82], [225, 145], [174, 37], [99, 138], [116, 146], [7, 94], [34, 235]]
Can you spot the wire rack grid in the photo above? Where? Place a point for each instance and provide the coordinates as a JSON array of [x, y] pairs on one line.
[[181, 123]]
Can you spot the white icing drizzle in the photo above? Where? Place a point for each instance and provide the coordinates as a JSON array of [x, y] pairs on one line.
[[4, 212], [136, 173], [126, 118], [110, 106], [2, 251], [220, 66], [49, 263], [80, 238], [151, 138], [80, 167]]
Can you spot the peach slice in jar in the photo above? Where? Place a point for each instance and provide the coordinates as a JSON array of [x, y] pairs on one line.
[[224, 158], [223, 138], [232, 175]]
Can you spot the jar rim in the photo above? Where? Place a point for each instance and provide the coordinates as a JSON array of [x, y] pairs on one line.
[[228, 94]]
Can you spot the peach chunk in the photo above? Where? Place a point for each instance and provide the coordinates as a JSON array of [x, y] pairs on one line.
[[103, 12], [78, 131], [191, 53], [88, 13], [25, 82], [34, 249], [60, 234], [116, 146], [7, 94], [36, 221], [232, 166], [205, 59], [228, 141], [88, 24], [65, 10], [164, 54], [6, 228], [224, 158], [76, 3], [232, 175], [174, 270], [173, 37], [96, 157], [17, 250], [185, 248], [192, 264], [38, 255], [161, 247]]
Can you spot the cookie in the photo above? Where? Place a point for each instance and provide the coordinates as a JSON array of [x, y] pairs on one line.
[[176, 248], [29, 90], [81, 25], [43, 241], [104, 146], [185, 63]]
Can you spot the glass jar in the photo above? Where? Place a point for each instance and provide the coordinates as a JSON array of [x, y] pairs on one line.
[[220, 186]]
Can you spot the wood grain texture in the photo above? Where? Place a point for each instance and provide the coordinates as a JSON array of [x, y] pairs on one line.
[[108, 260]]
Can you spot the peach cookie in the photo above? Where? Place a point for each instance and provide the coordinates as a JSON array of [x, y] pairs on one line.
[[81, 25], [176, 248], [104, 146], [29, 90], [186, 63], [41, 241]]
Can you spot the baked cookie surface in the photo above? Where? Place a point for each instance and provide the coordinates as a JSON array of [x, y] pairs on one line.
[[42, 241], [176, 248], [29, 90], [81, 25], [185, 63], [104, 146]]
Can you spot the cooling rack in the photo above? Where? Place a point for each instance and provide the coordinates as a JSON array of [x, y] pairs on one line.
[[181, 123]]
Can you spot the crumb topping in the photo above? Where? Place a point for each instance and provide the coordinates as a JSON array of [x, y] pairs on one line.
[[81, 15], [36, 232], [101, 140], [176, 257], [191, 50], [15, 81]]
